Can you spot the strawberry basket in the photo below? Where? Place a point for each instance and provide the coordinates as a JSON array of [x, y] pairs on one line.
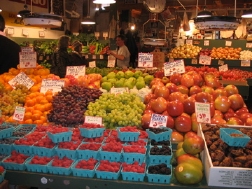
[[12, 162], [108, 173], [157, 159], [91, 132], [63, 169], [6, 131], [37, 167], [80, 172], [88, 153], [133, 172], [60, 137], [165, 135], [159, 178], [130, 156], [111, 152], [6, 145], [24, 149], [125, 135]]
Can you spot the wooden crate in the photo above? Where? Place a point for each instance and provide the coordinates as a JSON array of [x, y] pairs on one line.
[[158, 58]]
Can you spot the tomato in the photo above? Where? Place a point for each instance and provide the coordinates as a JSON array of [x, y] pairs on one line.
[[194, 90], [183, 89], [231, 89]]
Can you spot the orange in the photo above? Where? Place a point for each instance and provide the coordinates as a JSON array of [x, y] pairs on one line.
[[43, 119], [28, 109], [49, 97], [27, 115], [39, 98], [36, 116], [48, 106], [34, 88], [43, 101], [38, 79], [28, 121], [39, 122], [49, 93], [30, 102]]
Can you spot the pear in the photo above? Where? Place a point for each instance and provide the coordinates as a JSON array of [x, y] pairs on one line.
[[106, 85]]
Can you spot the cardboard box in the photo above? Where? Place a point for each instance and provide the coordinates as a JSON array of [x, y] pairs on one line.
[[224, 176]]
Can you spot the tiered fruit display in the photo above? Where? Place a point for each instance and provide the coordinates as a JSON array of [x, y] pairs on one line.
[[117, 110], [229, 53], [246, 55], [184, 51]]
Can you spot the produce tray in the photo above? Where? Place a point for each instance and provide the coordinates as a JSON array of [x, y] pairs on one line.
[[240, 140], [92, 133], [61, 152], [42, 151], [59, 170], [158, 178], [127, 136], [14, 166], [166, 135], [111, 156], [60, 137], [2, 176], [23, 149], [7, 148], [158, 159], [83, 172], [87, 154], [133, 176], [26, 127], [132, 157], [36, 167], [106, 174], [5, 133]]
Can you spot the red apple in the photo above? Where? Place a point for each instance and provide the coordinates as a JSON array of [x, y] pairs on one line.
[[177, 96], [244, 116], [162, 92], [218, 120], [170, 120], [183, 124], [148, 97], [197, 78], [222, 103], [183, 89], [159, 105], [248, 121], [176, 137], [189, 105], [218, 113], [155, 80], [219, 92], [236, 101], [231, 89], [176, 78], [234, 121], [187, 80], [156, 85], [145, 121], [175, 108], [165, 80], [194, 90], [230, 113], [203, 97], [190, 134], [241, 111], [148, 111], [207, 89]]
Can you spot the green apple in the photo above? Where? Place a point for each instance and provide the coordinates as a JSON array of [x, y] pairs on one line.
[[111, 75], [128, 74], [120, 74], [148, 79], [140, 84], [106, 85], [105, 78], [138, 73]]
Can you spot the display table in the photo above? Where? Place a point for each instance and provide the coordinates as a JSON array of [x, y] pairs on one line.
[[50, 181]]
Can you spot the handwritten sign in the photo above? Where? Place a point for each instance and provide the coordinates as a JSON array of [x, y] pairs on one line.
[[220, 62], [189, 41], [19, 113], [51, 85], [76, 71], [206, 42], [228, 43], [28, 59], [119, 90], [223, 68], [202, 111], [248, 45], [204, 59], [27, 49], [92, 64], [145, 60], [194, 61], [93, 119], [245, 63], [158, 120], [111, 61], [21, 79], [171, 68]]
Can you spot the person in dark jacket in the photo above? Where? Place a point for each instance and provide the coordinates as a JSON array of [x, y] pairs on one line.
[[77, 58], [61, 59], [9, 50]]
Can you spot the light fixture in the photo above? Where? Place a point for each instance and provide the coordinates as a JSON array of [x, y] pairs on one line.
[[97, 7], [247, 13], [23, 12], [1, 10], [204, 13], [104, 1], [88, 20]]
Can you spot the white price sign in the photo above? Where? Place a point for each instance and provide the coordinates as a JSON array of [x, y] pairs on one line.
[[119, 90], [245, 63], [93, 119], [21, 79], [248, 45], [28, 59], [76, 71], [189, 41], [51, 85], [223, 68], [111, 61], [206, 60], [19, 113], [228, 43], [158, 120], [194, 61], [202, 111], [206, 42], [92, 64], [171, 68], [145, 60]]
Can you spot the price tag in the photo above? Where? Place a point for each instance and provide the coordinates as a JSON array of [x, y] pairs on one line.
[[94, 56], [111, 61], [101, 56], [27, 49], [158, 120], [171, 59], [28, 59], [189, 41], [19, 113], [171, 68], [228, 43], [76, 71], [245, 63], [93, 119], [21, 79], [92, 64], [51, 85], [119, 90], [202, 111], [206, 60], [248, 45], [86, 56], [145, 60], [206, 42], [223, 68], [194, 61], [220, 62]]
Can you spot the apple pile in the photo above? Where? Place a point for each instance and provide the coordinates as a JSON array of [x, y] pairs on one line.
[[176, 99]]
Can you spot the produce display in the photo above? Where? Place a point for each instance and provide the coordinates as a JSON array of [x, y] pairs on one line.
[[229, 53], [184, 51], [245, 55]]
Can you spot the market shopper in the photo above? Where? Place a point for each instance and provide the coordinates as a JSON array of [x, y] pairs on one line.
[[122, 54], [9, 50], [61, 58], [76, 55]]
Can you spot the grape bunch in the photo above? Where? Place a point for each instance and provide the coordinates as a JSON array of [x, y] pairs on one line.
[[117, 110], [69, 105]]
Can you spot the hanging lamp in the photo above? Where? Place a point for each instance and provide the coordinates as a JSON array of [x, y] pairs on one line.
[[247, 13], [1, 10], [204, 13], [104, 1], [22, 12], [88, 20]]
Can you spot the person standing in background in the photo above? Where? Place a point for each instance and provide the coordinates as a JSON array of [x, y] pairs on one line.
[[61, 59], [9, 50], [122, 55], [77, 58]]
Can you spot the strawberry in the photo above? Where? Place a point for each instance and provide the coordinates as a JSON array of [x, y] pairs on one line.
[[1, 169], [129, 129], [135, 167], [106, 165]]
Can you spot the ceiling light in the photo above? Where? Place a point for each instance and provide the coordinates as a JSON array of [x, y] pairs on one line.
[[23, 12], [104, 1], [88, 20], [247, 13], [204, 14], [1, 10]]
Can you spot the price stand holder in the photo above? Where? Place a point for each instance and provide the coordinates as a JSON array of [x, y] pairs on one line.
[[93, 119], [21, 79], [92, 64], [19, 113], [145, 60], [158, 120], [202, 111], [205, 60]]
